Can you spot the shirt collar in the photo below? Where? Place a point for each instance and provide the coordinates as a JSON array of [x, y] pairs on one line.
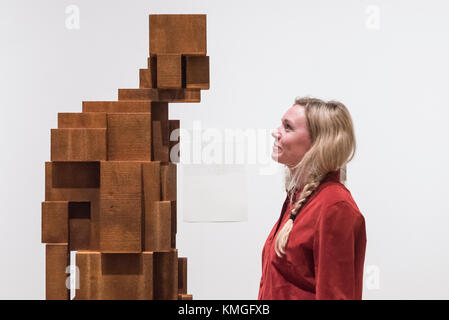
[[332, 176]]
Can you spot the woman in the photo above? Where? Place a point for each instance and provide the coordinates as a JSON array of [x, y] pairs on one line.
[[316, 250]]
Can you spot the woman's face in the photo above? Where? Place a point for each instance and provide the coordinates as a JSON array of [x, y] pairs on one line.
[[291, 138]]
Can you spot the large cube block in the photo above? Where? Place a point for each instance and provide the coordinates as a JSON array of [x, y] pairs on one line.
[[121, 212], [121, 180], [177, 33], [121, 225], [129, 136]]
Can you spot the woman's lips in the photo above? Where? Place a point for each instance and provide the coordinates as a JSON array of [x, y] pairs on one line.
[[276, 147]]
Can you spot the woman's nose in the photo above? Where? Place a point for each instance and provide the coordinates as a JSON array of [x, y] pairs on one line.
[[275, 133]]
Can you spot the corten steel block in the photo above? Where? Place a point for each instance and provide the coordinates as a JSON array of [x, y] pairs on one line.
[[56, 262], [177, 33], [121, 212], [89, 268], [169, 74], [145, 78], [79, 225], [159, 111], [83, 120], [129, 136], [158, 226], [174, 223], [182, 296], [75, 174], [151, 174], [78, 144], [117, 106], [179, 95], [127, 276], [118, 200], [161, 95], [148, 77], [152, 66], [168, 181], [182, 275], [120, 225], [197, 72], [151, 94], [69, 188], [121, 180], [166, 275], [161, 145], [174, 143], [115, 276], [55, 221]]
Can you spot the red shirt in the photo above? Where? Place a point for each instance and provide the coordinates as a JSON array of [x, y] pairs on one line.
[[325, 252]]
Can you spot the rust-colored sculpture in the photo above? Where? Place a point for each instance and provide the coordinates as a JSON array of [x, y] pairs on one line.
[[110, 188]]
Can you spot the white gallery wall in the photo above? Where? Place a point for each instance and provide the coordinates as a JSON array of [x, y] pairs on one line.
[[386, 60]]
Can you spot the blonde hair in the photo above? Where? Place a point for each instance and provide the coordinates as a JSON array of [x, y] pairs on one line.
[[333, 145]]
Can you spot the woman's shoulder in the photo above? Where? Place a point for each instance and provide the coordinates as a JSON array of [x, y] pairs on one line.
[[335, 194]]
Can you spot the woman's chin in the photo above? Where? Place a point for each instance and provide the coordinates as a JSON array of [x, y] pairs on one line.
[[275, 156]]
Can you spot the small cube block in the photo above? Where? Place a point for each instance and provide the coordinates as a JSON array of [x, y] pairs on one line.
[[166, 275], [169, 71], [55, 222], [145, 78], [56, 262], [197, 72], [158, 226], [168, 181], [160, 141], [182, 275]]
